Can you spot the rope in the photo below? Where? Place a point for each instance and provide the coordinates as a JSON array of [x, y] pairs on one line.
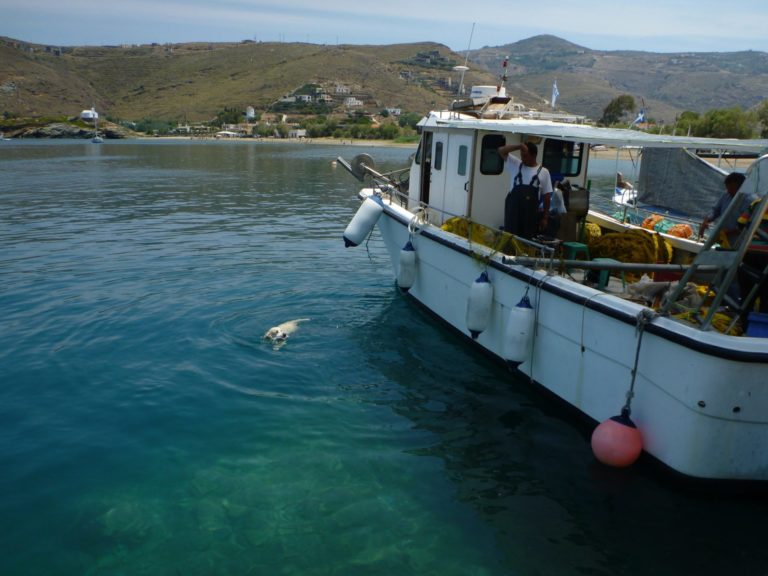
[[367, 250], [538, 285], [645, 317]]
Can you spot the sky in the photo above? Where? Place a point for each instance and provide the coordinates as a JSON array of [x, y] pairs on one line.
[[651, 25]]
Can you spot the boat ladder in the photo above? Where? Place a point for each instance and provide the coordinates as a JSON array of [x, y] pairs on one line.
[[727, 264]]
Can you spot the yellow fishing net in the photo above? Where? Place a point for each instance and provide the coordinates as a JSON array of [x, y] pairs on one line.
[[497, 240], [632, 246]]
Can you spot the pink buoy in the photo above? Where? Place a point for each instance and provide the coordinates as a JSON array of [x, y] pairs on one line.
[[617, 441]]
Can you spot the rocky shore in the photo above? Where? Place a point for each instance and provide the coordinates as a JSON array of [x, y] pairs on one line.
[[63, 129]]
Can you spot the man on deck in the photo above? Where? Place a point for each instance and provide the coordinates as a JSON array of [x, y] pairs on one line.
[[526, 208]]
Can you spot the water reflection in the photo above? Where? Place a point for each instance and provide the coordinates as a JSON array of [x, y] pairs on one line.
[[523, 462]]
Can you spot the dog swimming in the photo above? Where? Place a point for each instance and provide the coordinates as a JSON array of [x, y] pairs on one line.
[[278, 335]]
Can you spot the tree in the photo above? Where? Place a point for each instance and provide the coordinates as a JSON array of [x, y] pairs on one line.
[[617, 108], [727, 123], [409, 119], [762, 117], [229, 116], [389, 131]]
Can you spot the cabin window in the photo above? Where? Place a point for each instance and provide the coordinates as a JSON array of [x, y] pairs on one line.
[[417, 159], [562, 158], [438, 164], [490, 161], [463, 150]]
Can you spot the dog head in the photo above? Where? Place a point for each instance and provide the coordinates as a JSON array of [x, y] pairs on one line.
[[275, 334]]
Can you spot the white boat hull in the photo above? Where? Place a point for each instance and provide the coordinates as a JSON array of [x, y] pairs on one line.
[[700, 403]]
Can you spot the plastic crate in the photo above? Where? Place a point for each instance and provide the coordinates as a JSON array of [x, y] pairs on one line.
[[757, 325]]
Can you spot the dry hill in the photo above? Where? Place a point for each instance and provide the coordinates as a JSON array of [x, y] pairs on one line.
[[669, 83], [194, 81]]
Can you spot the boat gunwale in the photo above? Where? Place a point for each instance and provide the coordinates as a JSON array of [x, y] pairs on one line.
[[600, 306]]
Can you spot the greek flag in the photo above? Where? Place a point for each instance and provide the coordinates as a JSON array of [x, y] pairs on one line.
[[555, 94], [640, 117]]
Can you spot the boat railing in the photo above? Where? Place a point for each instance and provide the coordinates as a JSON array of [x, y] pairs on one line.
[[543, 250], [508, 111]]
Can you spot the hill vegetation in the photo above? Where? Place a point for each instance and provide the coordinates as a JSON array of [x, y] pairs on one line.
[[195, 82]]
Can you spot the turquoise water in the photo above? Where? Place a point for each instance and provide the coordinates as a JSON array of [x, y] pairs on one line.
[[146, 427]]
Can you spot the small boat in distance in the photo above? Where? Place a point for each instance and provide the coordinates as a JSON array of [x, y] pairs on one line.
[[93, 116], [591, 315]]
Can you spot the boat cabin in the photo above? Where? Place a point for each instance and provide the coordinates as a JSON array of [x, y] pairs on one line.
[[457, 171]]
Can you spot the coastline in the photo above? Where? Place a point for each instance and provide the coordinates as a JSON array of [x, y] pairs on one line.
[[307, 141]]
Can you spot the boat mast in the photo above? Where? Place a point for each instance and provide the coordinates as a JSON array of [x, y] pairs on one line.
[[503, 77], [466, 59]]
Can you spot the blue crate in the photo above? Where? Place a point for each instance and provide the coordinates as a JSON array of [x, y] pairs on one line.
[[757, 325]]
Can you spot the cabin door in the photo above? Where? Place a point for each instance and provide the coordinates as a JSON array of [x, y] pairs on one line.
[[450, 176], [426, 167], [457, 175]]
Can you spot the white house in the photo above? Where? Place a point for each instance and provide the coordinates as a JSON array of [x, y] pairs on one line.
[[90, 115], [393, 111], [351, 102], [341, 89], [297, 133], [304, 98]]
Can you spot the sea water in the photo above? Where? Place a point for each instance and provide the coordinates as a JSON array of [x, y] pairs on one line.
[[147, 428]]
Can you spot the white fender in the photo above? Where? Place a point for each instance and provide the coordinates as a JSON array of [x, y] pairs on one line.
[[479, 305], [406, 270], [518, 333], [363, 221]]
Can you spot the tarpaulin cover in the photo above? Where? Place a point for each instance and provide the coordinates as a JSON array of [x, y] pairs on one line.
[[680, 181]]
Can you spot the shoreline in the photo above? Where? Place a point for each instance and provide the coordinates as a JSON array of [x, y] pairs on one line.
[[307, 141], [727, 164]]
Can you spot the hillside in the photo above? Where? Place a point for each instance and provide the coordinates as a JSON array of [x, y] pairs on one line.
[[196, 80], [669, 83]]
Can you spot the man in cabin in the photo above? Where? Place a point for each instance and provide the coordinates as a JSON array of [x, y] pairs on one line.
[[730, 228], [526, 208]]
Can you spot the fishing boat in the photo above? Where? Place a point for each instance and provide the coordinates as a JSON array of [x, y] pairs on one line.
[[573, 318]]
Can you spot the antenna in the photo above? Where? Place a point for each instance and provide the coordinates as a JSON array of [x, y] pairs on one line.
[[466, 59]]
